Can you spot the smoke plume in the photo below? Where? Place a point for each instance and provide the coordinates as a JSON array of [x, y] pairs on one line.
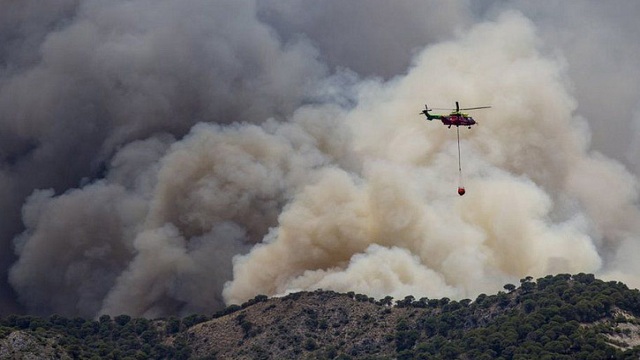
[[165, 158], [540, 202]]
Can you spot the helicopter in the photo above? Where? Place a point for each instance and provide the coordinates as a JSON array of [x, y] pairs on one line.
[[456, 117]]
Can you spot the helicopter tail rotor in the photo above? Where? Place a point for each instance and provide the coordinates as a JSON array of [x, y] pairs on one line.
[[426, 112]]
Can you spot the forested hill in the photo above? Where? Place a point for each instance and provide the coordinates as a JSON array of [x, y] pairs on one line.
[[556, 317]]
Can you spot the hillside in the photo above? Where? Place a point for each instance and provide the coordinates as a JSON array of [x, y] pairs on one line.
[[556, 317]]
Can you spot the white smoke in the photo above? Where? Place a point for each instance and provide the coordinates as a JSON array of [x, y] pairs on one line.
[[299, 180], [525, 166]]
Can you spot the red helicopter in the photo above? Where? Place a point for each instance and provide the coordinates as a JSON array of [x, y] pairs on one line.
[[456, 117]]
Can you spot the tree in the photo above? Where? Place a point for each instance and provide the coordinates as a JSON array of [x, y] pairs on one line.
[[406, 339], [406, 302], [528, 306], [173, 325], [122, 320], [387, 301], [310, 344]]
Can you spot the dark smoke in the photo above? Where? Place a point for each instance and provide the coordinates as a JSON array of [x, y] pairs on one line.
[[81, 79]]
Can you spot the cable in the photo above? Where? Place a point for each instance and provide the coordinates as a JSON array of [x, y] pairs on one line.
[[461, 190]]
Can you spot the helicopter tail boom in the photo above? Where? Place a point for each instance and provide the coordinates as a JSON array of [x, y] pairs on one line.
[[425, 112]]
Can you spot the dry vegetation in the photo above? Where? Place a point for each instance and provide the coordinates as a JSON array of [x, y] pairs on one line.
[[556, 317]]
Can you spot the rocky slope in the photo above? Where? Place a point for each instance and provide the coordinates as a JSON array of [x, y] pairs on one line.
[[560, 317]]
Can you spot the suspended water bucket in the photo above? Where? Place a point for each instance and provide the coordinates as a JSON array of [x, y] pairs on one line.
[[461, 191]]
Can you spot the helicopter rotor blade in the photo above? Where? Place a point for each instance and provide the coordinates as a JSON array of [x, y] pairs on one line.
[[477, 107], [457, 107]]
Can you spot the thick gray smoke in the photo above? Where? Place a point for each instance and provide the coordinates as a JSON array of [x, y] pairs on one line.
[[172, 157], [78, 80]]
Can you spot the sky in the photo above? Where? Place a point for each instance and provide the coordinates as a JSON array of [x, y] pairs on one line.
[[170, 157]]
